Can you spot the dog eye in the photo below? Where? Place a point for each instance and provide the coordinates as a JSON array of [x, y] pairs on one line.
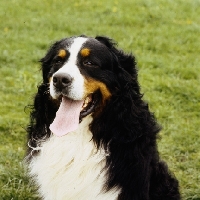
[[57, 61], [89, 64]]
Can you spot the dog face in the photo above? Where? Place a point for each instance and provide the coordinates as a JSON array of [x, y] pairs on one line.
[[80, 68]]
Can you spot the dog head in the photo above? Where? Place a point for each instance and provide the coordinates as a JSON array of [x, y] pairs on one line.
[[85, 68]]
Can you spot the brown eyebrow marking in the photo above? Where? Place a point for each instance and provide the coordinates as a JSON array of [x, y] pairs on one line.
[[85, 52], [62, 53]]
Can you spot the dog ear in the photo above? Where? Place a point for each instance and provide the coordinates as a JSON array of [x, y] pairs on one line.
[[44, 108], [41, 116], [124, 110], [126, 61]]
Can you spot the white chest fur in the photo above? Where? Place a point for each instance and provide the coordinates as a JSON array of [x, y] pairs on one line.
[[70, 167]]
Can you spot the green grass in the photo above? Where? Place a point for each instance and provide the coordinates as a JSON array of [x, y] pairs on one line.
[[164, 36]]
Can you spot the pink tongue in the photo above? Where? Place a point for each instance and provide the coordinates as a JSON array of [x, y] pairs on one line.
[[67, 117]]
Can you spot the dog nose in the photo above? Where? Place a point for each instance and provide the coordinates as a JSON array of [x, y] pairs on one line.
[[62, 80]]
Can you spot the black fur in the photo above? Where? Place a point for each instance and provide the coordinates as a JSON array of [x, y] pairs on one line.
[[125, 128]]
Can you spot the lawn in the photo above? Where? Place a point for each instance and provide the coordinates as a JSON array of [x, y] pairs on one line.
[[163, 35]]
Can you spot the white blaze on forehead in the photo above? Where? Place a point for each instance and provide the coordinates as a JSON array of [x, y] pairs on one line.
[[76, 89], [75, 48]]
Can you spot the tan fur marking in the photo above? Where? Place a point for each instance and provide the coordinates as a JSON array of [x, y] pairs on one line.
[[50, 78], [92, 85], [62, 53], [85, 52]]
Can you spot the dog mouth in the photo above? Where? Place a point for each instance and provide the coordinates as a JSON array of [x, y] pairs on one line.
[[71, 112], [89, 105]]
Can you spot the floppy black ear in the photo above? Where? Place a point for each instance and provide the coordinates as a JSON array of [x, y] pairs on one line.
[[41, 116], [126, 61], [44, 107]]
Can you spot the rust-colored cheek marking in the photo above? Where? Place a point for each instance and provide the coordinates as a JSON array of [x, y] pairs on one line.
[[50, 78], [92, 86], [85, 52], [62, 53]]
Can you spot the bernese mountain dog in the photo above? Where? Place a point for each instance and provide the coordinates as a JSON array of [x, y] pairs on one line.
[[91, 135]]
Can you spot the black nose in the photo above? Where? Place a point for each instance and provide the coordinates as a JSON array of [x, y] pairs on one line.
[[62, 80]]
